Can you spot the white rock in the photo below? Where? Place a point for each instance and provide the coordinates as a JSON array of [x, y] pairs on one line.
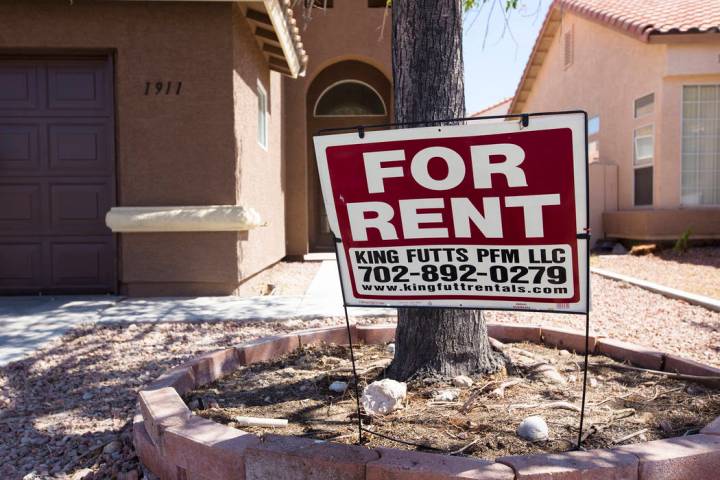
[[549, 374], [533, 429], [80, 474], [593, 383], [448, 395], [383, 397], [462, 381], [390, 348], [338, 386], [564, 353]]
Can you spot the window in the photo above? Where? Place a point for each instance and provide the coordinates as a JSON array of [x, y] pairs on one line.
[[569, 47], [643, 152], [701, 145], [644, 105], [593, 128], [349, 98], [262, 131]]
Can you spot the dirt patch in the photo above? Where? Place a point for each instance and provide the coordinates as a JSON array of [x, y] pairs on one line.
[[696, 270], [283, 278], [623, 406]]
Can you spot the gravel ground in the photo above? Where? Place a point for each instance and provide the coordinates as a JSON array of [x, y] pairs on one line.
[[289, 278], [696, 271], [66, 411], [625, 312]]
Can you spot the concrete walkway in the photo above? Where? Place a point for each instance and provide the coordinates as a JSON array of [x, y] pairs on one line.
[[26, 323]]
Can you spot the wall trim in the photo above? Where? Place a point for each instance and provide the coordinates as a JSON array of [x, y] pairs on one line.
[[207, 218]]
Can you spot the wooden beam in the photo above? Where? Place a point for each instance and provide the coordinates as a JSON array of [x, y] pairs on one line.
[[259, 17], [267, 34], [273, 50], [276, 62]]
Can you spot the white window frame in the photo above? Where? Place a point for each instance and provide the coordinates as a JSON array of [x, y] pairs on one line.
[[340, 82], [682, 129], [643, 165], [263, 120], [651, 112]]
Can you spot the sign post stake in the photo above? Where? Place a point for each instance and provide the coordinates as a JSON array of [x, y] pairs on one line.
[[352, 353]]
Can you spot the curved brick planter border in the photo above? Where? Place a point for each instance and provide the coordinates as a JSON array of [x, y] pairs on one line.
[[178, 445]]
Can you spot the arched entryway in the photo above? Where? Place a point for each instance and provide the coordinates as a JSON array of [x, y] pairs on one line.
[[345, 94]]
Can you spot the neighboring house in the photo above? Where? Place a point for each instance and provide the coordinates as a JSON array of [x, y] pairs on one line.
[[648, 74], [500, 108], [165, 148]]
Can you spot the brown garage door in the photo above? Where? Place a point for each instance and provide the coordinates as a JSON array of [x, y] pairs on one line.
[[57, 175]]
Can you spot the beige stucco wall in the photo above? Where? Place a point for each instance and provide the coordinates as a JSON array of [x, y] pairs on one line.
[[349, 31], [609, 71], [260, 171], [174, 150]]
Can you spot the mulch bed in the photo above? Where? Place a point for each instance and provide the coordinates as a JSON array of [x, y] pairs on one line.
[[623, 406]]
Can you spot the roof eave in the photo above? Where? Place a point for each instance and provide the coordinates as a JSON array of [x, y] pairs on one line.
[[548, 29], [284, 35]]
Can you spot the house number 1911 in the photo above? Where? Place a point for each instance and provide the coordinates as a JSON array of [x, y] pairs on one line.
[[163, 88]]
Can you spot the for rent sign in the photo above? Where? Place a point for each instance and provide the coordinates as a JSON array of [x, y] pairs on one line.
[[483, 216]]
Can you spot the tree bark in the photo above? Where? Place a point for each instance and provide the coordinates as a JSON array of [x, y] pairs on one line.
[[429, 85]]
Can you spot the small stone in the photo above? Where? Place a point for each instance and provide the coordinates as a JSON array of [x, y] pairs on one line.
[[131, 475], [338, 387], [693, 389], [87, 396], [665, 426], [533, 429], [449, 395], [564, 353], [593, 383], [112, 447], [390, 348], [618, 249], [549, 374], [383, 397], [462, 381]]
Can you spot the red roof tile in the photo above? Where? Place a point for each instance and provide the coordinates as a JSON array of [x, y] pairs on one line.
[[649, 17]]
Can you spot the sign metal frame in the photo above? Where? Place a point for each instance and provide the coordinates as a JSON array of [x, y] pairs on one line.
[[523, 121]]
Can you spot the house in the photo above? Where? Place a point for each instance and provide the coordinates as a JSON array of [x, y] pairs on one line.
[[499, 108], [348, 83], [162, 148], [648, 75]]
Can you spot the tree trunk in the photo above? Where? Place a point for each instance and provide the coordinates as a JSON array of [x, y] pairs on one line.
[[428, 85]]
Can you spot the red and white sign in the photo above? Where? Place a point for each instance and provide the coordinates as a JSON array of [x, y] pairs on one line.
[[484, 215]]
